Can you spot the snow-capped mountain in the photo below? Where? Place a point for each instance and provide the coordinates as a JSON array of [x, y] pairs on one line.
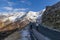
[[12, 17], [16, 16], [31, 16]]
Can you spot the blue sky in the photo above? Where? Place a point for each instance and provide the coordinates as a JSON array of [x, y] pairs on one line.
[[24, 5]]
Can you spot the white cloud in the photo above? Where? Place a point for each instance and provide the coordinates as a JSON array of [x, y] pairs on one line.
[[8, 8], [10, 3], [26, 2], [20, 9], [22, 1], [23, 8], [11, 9]]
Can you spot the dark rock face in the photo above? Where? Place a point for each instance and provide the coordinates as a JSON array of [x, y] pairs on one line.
[[51, 17]]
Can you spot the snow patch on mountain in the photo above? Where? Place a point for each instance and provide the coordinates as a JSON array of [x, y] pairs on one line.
[[39, 18], [32, 16]]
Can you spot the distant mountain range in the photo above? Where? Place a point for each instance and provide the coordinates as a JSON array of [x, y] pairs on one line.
[[14, 20], [32, 16]]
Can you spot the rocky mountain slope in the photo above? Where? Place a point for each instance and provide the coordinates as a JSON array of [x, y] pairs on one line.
[[51, 16]]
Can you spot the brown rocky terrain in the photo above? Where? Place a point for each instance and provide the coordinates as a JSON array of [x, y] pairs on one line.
[[13, 27]]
